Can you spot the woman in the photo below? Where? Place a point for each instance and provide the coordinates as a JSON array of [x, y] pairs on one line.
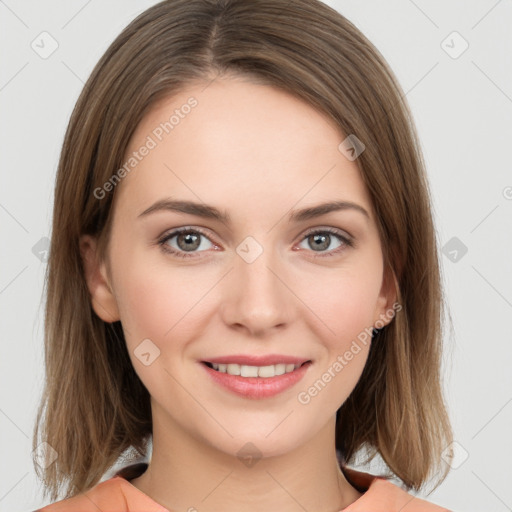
[[243, 271]]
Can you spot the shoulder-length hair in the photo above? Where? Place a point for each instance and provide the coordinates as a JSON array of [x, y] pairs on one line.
[[95, 405]]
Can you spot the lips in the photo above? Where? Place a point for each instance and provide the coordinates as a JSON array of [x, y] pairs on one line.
[[256, 387], [254, 360]]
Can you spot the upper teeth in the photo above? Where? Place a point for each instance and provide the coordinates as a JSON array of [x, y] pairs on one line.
[[255, 371]]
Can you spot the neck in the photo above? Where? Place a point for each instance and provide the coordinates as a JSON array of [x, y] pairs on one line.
[[186, 473]]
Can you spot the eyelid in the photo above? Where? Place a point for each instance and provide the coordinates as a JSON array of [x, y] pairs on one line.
[[169, 234], [206, 231], [329, 229]]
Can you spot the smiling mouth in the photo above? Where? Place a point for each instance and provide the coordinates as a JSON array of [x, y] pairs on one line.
[[243, 370]]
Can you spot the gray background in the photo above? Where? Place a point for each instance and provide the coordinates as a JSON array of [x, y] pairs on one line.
[[462, 104]]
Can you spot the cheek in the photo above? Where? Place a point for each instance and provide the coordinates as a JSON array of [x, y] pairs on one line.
[[158, 301], [162, 305], [344, 303], [345, 300]]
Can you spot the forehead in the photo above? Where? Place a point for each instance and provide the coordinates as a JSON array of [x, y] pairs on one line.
[[238, 142]]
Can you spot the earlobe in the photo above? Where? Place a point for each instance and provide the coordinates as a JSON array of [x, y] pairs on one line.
[[102, 297], [386, 304]]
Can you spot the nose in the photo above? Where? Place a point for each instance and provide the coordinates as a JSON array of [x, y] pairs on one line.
[[257, 296]]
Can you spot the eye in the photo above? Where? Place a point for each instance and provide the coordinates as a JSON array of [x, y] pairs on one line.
[[187, 240], [321, 239]]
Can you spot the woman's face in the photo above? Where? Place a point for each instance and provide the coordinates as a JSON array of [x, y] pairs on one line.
[[266, 280]]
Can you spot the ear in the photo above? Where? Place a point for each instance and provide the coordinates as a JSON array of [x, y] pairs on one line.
[[386, 302], [102, 296]]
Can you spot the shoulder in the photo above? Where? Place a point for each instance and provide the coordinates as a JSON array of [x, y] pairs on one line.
[[104, 496], [113, 494], [381, 495], [392, 497]]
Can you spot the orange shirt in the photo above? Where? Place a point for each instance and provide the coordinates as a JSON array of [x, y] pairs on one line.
[[117, 494]]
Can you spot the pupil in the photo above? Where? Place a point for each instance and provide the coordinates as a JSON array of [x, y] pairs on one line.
[[190, 240], [321, 241]]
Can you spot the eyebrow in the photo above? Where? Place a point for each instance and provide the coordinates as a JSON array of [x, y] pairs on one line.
[[210, 212]]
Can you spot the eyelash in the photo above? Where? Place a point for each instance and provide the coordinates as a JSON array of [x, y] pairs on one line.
[[162, 242]]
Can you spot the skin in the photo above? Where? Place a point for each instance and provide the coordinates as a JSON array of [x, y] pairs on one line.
[[257, 153]]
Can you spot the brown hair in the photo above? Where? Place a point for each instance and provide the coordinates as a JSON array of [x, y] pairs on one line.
[[95, 405]]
